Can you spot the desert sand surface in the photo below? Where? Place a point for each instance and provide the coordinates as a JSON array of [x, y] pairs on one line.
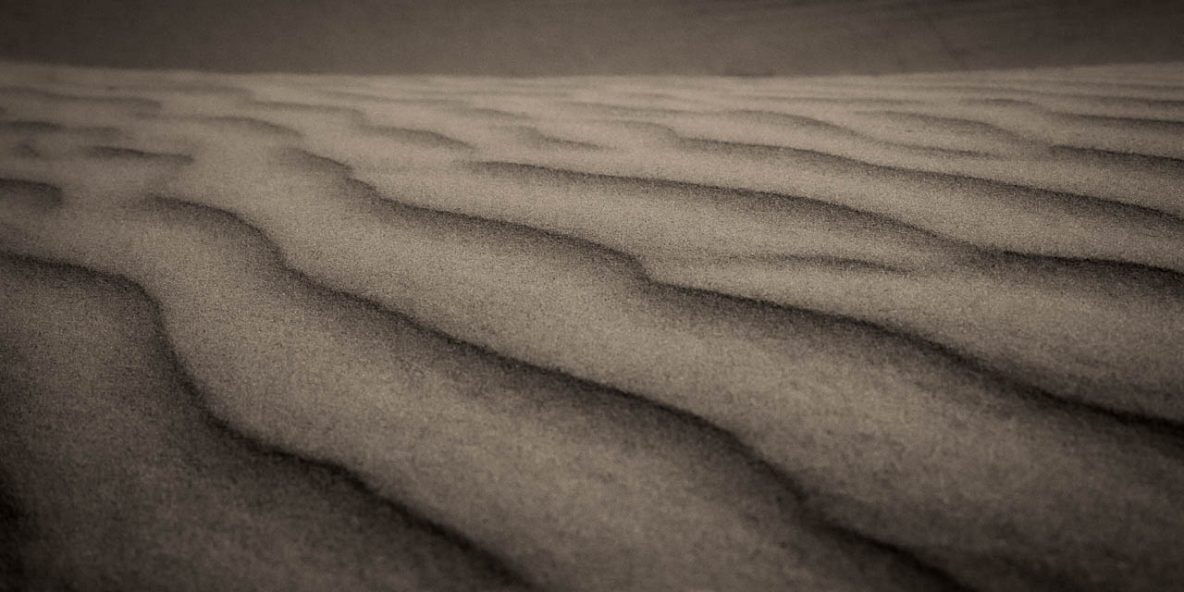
[[314, 332]]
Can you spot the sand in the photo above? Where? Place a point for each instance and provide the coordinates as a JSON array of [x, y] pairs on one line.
[[570, 37], [301, 332]]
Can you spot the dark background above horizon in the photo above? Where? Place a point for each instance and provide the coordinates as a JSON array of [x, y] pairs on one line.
[[570, 37]]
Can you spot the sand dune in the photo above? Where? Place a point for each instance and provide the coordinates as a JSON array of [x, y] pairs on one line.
[[849, 333], [567, 37]]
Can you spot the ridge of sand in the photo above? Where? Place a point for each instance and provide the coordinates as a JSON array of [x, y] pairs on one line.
[[651, 333]]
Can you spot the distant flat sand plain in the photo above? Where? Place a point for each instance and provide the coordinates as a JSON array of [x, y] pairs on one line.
[[270, 332]]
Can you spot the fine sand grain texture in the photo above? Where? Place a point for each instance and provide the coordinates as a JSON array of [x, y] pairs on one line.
[[303, 332]]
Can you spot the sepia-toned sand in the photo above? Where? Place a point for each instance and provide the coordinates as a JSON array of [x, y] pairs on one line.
[[297, 332]]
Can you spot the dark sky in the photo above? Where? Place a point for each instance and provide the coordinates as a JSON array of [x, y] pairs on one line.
[[560, 37]]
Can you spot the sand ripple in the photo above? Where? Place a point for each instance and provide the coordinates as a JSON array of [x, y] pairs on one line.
[[289, 332]]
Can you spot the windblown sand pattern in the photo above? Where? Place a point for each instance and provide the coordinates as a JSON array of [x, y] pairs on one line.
[[306, 333]]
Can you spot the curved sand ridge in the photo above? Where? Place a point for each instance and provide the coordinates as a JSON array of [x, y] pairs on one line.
[[291, 332]]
